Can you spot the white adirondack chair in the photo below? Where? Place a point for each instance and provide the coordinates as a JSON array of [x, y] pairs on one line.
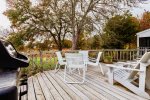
[[127, 76], [96, 63], [74, 61], [61, 61]]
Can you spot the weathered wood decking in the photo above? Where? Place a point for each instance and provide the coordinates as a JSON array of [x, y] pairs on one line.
[[50, 86]]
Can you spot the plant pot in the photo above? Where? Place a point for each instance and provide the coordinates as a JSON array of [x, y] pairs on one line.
[[108, 61]]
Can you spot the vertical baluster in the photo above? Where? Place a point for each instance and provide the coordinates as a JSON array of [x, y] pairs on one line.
[[117, 54], [32, 60], [130, 54], [120, 55], [41, 59]]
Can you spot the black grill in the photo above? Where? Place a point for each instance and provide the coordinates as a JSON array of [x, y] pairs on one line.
[[10, 62], [10, 58]]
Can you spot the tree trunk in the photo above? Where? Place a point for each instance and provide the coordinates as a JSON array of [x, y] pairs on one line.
[[60, 47], [74, 38], [59, 43], [75, 41]]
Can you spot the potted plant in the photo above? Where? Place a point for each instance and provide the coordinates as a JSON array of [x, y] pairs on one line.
[[108, 59]]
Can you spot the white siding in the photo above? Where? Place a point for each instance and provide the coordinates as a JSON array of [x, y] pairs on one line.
[[145, 33]]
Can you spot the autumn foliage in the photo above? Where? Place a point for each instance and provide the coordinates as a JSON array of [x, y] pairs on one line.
[[145, 21]]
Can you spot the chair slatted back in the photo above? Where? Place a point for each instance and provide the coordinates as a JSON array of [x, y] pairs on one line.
[[74, 59], [144, 59], [98, 57], [85, 55], [59, 56]]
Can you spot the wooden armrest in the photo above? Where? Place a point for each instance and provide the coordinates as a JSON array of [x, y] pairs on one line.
[[130, 69], [127, 63]]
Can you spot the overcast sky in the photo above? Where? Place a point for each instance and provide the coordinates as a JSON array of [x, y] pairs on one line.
[[4, 22]]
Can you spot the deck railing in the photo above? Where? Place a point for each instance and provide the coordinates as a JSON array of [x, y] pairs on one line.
[[48, 58]]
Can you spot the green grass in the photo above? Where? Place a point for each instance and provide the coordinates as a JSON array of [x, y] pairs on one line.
[[36, 67]]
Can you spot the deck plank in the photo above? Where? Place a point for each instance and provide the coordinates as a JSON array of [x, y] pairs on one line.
[[38, 90], [31, 91], [51, 88], [46, 92], [72, 94], [59, 89]]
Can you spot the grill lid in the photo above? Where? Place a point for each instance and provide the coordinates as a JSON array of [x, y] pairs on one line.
[[10, 58]]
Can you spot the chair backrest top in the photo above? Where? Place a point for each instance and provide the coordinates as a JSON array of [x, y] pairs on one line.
[[144, 59], [98, 57], [59, 56], [85, 54], [74, 59]]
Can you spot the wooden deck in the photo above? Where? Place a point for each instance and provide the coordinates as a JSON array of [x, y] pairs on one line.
[[50, 86]]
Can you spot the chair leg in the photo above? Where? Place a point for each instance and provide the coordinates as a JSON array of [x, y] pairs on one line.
[[79, 71], [110, 75], [57, 68], [83, 75], [86, 68], [65, 73], [101, 68]]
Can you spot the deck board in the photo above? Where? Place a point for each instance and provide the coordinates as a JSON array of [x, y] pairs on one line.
[[58, 88], [72, 94], [38, 90], [52, 89], [47, 93], [31, 91], [50, 86]]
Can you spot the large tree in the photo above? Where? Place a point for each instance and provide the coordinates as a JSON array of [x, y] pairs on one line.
[[45, 18], [120, 30]]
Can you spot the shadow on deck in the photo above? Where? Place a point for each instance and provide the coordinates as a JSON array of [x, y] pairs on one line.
[[50, 86]]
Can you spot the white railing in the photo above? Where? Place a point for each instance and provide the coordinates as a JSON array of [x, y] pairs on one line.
[[44, 60]]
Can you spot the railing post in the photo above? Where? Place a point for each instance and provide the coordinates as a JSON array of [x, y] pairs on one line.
[[41, 60], [32, 60]]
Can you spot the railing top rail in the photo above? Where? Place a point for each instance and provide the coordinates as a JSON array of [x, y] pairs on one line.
[[53, 51]]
